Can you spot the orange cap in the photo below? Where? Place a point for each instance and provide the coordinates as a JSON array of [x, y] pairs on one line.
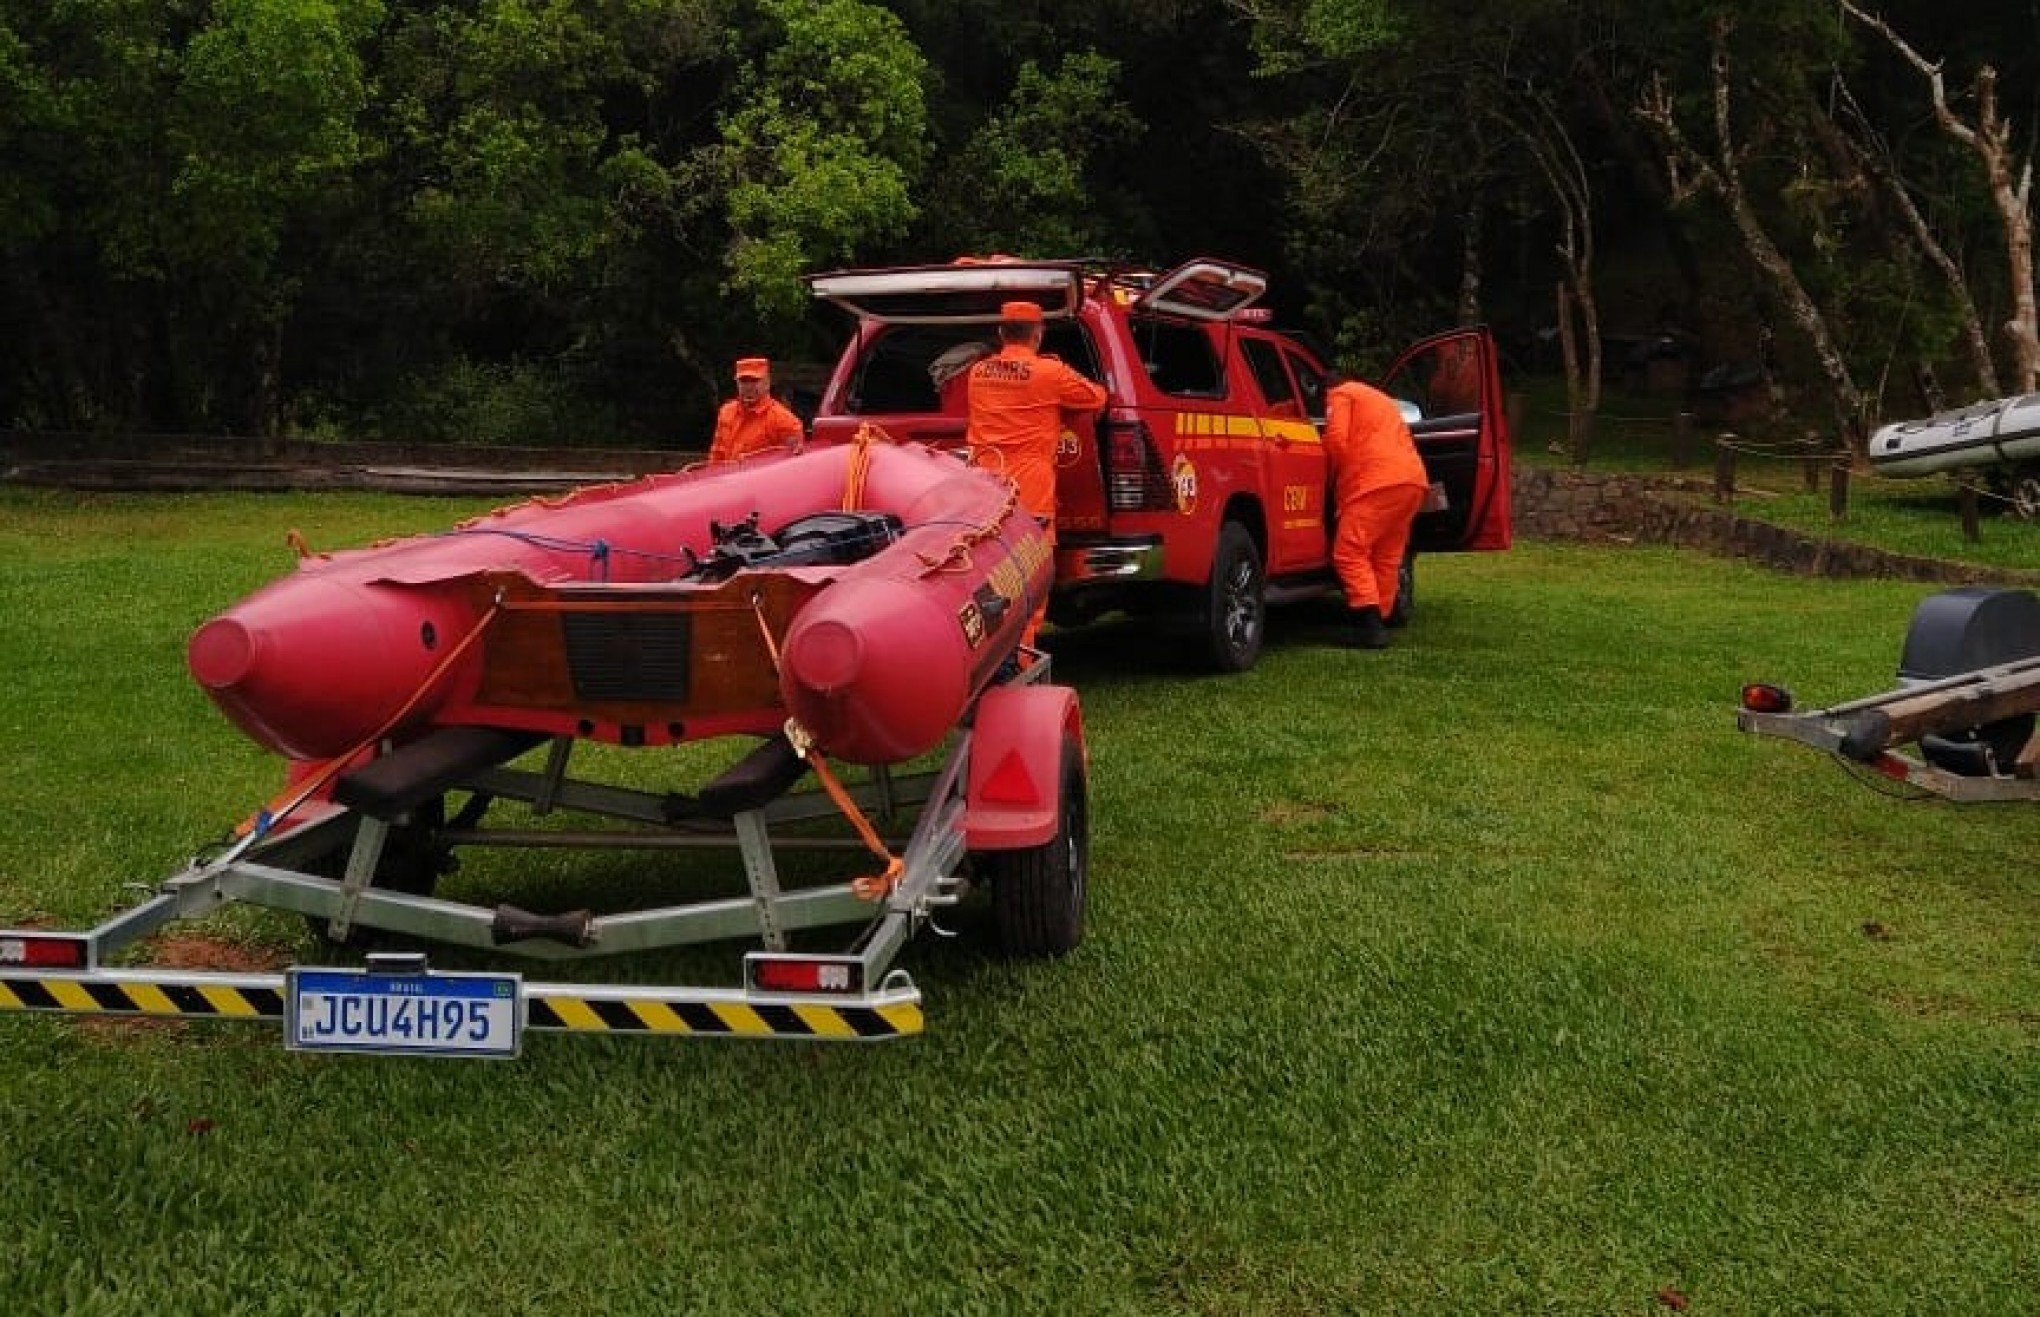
[[752, 368], [1025, 313]]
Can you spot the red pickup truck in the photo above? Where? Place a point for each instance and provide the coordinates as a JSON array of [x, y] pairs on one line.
[[1200, 493]]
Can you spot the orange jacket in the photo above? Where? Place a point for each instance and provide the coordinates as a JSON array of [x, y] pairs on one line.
[[1368, 442], [1017, 401], [742, 430]]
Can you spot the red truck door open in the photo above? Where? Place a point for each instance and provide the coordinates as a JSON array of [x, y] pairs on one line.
[[1455, 382]]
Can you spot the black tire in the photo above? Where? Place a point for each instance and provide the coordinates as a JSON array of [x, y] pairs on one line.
[[413, 858], [1405, 591], [2024, 492], [1235, 621], [1038, 894]]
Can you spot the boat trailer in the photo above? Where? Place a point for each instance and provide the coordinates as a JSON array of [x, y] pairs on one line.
[[1007, 803], [1966, 703]]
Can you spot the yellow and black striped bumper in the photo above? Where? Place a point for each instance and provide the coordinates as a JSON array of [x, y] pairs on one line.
[[561, 1008]]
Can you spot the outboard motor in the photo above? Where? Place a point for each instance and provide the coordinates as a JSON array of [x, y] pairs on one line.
[[823, 539], [1960, 631]]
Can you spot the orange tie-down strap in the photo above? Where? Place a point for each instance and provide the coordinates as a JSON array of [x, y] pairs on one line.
[[871, 887]]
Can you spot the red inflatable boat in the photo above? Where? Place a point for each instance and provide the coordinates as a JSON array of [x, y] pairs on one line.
[[869, 591]]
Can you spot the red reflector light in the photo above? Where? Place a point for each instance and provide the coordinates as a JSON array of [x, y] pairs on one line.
[[1010, 783], [42, 951], [800, 974], [1763, 697], [1891, 766]]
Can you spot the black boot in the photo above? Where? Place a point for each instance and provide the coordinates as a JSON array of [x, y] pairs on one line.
[[1365, 629]]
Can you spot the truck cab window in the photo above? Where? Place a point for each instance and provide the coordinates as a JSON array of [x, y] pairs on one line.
[[1310, 382], [1179, 359], [1276, 389]]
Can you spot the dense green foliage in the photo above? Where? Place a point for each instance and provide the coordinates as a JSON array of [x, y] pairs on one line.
[[1492, 973], [549, 220]]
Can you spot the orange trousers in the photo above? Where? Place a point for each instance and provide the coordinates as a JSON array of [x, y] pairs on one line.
[[1374, 530]]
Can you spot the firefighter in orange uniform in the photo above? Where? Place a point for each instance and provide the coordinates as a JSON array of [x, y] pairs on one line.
[[1378, 483], [1018, 399], [754, 421]]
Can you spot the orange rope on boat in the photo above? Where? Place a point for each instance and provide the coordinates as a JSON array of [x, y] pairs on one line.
[[292, 797], [294, 539], [870, 887], [956, 558]]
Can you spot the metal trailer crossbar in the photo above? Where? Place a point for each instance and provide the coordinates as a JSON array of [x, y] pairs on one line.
[[855, 995]]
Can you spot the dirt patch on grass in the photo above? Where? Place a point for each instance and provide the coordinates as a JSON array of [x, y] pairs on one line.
[[1288, 813], [198, 951]]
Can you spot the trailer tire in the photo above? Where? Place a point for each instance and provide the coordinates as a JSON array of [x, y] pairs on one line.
[[413, 858], [1235, 618], [1038, 893], [2025, 494]]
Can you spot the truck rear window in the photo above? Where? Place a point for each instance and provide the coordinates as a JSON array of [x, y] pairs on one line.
[[898, 372], [1179, 359]]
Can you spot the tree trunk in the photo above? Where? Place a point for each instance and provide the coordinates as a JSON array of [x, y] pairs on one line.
[[1469, 266]]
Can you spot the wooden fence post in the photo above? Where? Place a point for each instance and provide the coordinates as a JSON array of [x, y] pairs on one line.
[[1972, 531], [1724, 471], [1513, 410], [1838, 489], [1682, 439], [1809, 470]]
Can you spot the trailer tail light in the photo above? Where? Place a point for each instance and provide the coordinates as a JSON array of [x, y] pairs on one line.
[[1763, 697], [1134, 479], [831, 974], [44, 951]]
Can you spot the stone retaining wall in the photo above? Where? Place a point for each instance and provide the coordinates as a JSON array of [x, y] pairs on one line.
[[1634, 509]]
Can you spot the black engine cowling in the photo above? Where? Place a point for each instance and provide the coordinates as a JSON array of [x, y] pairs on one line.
[[1960, 631]]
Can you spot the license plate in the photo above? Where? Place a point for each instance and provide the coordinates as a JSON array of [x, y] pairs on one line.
[[427, 1014]]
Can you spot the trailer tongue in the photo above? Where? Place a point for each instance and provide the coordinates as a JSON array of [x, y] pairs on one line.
[[1966, 705]]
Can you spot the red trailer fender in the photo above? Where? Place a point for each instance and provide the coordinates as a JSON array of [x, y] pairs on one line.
[[1014, 796]]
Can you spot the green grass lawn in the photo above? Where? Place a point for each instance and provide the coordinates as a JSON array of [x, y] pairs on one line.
[[1494, 972]]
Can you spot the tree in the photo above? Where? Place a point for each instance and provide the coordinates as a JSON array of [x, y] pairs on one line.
[[1693, 170], [2010, 182], [822, 145]]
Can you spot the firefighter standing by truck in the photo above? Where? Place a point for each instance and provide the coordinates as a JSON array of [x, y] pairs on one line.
[[1378, 486], [754, 421], [1017, 402]]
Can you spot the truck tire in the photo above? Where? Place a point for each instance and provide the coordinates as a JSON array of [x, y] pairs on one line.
[[1038, 893], [1235, 620], [1405, 591]]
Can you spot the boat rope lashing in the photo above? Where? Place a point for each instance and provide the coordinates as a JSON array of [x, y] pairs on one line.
[[294, 540], [860, 463], [956, 558], [870, 887], [252, 829]]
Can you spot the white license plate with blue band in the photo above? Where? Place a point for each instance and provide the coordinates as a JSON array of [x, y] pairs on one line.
[[404, 1014]]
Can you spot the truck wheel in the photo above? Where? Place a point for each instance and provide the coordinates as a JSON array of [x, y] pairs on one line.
[[1236, 605], [1405, 591], [1038, 893]]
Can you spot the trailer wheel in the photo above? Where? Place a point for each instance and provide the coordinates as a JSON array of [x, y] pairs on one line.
[[1038, 893], [1236, 604], [413, 858], [2025, 495]]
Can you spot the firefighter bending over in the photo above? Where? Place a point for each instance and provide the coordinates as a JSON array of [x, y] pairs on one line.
[[1018, 400], [754, 421], [1378, 485]]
